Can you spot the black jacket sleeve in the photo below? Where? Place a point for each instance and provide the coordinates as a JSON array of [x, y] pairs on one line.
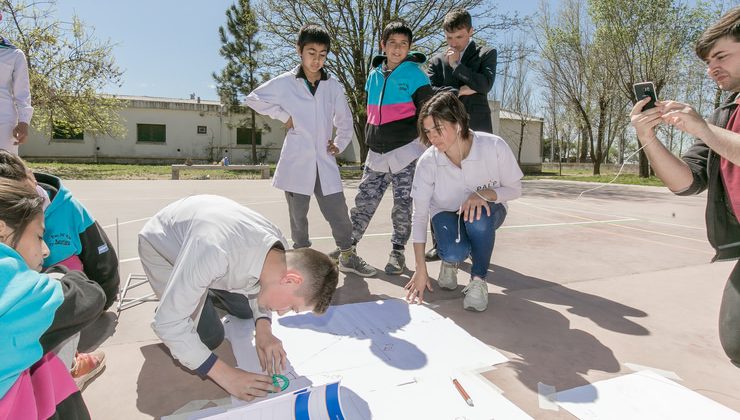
[[83, 303], [421, 95], [100, 262], [696, 158], [481, 81], [434, 71]]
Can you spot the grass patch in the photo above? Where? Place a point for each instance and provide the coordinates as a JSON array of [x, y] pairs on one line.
[[93, 171], [123, 172]]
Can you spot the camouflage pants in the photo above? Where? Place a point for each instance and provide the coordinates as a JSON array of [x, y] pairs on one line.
[[370, 192]]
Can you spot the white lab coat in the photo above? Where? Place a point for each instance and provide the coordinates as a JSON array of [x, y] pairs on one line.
[[210, 242], [15, 95], [314, 119]]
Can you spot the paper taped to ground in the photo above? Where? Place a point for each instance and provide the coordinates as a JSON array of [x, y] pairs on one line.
[[641, 395], [394, 360], [313, 403], [368, 345]]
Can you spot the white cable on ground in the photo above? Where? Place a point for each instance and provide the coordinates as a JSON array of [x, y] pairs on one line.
[[618, 173]]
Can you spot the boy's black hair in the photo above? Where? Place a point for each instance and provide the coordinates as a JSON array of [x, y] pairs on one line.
[[316, 34], [397, 27], [456, 19]]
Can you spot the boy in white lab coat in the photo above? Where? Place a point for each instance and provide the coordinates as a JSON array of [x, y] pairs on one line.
[[15, 97], [311, 103]]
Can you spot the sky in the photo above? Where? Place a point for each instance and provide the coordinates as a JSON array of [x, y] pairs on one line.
[[169, 48]]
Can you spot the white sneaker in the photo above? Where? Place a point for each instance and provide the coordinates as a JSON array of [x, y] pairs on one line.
[[476, 295], [447, 278]]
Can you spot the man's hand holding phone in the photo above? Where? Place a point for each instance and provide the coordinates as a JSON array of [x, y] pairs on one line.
[[647, 113], [646, 90], [645, 121]]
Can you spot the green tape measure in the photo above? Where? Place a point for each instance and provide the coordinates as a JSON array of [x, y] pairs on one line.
[[280, 381]]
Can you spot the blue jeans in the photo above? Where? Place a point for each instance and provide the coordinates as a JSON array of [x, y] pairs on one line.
[[476, 238]]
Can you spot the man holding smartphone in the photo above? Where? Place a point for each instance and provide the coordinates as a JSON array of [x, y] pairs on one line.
[[712, 163]]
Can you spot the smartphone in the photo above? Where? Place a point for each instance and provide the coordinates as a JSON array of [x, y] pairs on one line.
[[643, 90]]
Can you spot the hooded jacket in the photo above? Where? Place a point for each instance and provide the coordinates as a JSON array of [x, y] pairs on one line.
[[71, 232], [28, 301], [394, 99]]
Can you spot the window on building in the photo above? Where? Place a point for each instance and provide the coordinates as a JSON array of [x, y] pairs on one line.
[[153, 133], [202, 129], [64, 131], [244, 136]]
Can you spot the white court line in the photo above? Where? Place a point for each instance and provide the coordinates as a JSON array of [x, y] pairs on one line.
[[589, 222], [677, 225], [612, 222], [126, 222], [147, 218], [524, 202], [128, 260], [702, 241]]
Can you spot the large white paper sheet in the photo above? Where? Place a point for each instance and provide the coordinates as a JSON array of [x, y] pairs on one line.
[[641, 395], [390, 356], [381, 343], [437, 398]]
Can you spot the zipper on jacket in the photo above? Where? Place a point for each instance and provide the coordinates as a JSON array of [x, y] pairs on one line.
[[382, 91]]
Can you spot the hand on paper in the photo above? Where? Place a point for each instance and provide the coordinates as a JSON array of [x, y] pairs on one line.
[[472, 208], [243, 385], [269, 348], [416, 286]]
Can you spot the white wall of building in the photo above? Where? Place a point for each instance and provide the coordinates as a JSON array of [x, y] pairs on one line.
[[183, 141], [507, 125], [181, 118]]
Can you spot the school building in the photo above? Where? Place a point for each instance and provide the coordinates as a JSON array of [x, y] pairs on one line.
[[165, 130]]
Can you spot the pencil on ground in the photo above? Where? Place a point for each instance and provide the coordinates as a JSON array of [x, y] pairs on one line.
[[462, 392]]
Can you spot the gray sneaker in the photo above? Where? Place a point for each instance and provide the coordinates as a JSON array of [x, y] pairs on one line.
[[476, 295], [396, 262], [334, 255], [352, 263], [447, 278]]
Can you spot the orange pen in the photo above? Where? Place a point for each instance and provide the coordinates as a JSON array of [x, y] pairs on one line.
[[462, 392]]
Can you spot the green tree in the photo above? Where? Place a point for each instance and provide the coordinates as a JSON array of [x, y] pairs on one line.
[[572, 67], [644, 40], [68, 69], [241, 49], [355, 27]]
